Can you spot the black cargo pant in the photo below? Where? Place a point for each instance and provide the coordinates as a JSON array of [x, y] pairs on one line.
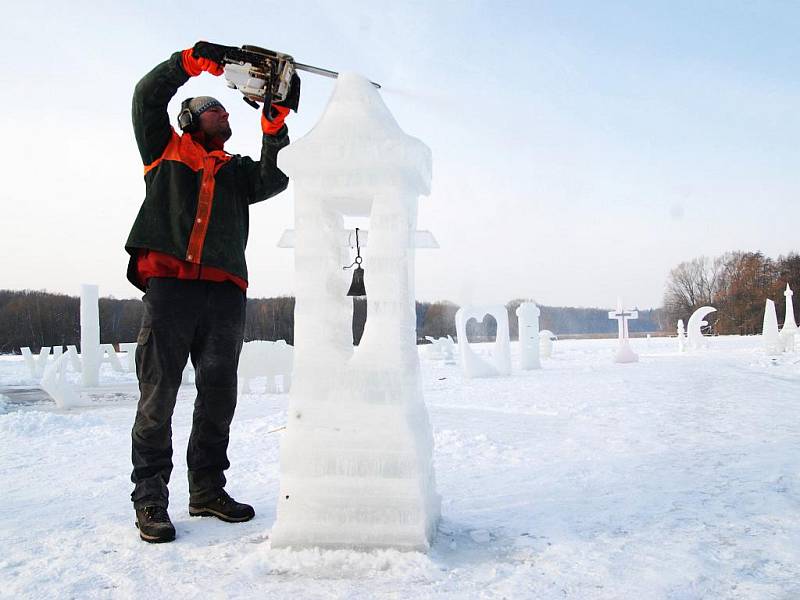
[[182, 318]]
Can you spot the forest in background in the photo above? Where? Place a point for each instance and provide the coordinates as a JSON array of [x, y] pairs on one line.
[[737, 284], [38, 318]]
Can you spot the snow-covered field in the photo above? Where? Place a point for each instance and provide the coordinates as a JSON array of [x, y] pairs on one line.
[[676, 477]]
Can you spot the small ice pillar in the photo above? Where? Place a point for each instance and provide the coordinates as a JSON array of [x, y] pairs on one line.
[[625, 353], [546, 338], [528, 315], [90, 336], [681, 336], [356, 456], [769, 331]]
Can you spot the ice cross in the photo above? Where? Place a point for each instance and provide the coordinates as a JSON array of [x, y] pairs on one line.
[[624, 353], [622, 316]]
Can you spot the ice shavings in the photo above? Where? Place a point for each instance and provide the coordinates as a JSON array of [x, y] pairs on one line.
[[43, 424]]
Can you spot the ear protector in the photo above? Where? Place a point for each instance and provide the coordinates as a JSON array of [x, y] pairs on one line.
[[186, 120]]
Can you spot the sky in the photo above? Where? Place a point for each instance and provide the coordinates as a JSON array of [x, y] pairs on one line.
[[581, 150]]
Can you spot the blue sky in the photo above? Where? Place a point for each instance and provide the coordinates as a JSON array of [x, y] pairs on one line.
[[581, 149]]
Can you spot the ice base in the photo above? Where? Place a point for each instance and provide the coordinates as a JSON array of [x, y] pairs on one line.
[[356, 471]]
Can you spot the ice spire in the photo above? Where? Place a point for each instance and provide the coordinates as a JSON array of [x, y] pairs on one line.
[[772, 340], [789, 330]]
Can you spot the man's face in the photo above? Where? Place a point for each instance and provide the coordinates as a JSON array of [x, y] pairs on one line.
[[214, 123]]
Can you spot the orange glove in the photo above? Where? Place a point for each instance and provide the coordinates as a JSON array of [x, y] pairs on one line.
[[274, 114], [203, 56], [275, 124]]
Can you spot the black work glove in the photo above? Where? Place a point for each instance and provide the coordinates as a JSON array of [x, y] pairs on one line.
[[215, 52]]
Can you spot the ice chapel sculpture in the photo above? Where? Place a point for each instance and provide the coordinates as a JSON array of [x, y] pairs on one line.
[[356, 454]]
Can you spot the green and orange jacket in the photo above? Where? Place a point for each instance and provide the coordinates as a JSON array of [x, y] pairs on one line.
[[196, 205]]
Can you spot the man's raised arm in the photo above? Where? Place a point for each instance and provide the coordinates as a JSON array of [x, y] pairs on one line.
[[153, 93]]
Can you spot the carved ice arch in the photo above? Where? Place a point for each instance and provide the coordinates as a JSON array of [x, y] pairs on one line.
[[696, 322], [499, 360]]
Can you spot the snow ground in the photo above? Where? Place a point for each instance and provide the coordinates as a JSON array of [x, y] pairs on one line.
[[677, 477]]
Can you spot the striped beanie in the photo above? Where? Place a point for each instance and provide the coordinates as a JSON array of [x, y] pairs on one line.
[[200, 104]]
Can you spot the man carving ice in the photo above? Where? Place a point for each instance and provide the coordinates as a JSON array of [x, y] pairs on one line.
[[187, 254]]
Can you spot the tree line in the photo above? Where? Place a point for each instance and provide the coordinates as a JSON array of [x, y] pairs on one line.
[[38, 318], [737, 284]]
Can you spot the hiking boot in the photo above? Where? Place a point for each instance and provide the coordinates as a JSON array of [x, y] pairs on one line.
[[154, 524], [223, 507]]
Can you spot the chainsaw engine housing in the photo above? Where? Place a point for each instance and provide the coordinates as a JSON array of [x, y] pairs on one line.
[[261, 75]]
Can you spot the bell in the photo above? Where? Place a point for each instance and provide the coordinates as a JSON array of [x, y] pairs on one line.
[[357, 287]]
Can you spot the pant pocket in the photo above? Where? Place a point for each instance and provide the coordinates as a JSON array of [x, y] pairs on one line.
[[144, 336]]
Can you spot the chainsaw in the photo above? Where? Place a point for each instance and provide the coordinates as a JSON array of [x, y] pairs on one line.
[[263, 75]]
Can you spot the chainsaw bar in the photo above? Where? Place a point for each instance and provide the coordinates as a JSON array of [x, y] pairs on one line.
[[261, 74], [324, 72]]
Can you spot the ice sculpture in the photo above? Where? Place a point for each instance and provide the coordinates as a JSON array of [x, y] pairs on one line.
[[90, 336], [55, 383], [356, 454], [108, 355], [499, 362], [546, 338], [129, 348], [769, 332], [696, 322], [528, 315], [272, 360], [37, 364], [75, 359], [625, 353], [681, 336], [423, 239], [789, 329], [442, 349]]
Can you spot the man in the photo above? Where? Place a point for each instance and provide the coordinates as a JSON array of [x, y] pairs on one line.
[[187, 254]]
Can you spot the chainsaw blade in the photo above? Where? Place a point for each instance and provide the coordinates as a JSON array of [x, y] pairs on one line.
[[324, 72]]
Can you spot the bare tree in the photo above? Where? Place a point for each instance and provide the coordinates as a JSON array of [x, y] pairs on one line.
[[692, 284]]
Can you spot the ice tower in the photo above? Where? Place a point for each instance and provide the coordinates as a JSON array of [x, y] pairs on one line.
[[356, 455]]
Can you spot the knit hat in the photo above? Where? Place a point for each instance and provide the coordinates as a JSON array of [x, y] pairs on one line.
[[196, 106], [200, 104]]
